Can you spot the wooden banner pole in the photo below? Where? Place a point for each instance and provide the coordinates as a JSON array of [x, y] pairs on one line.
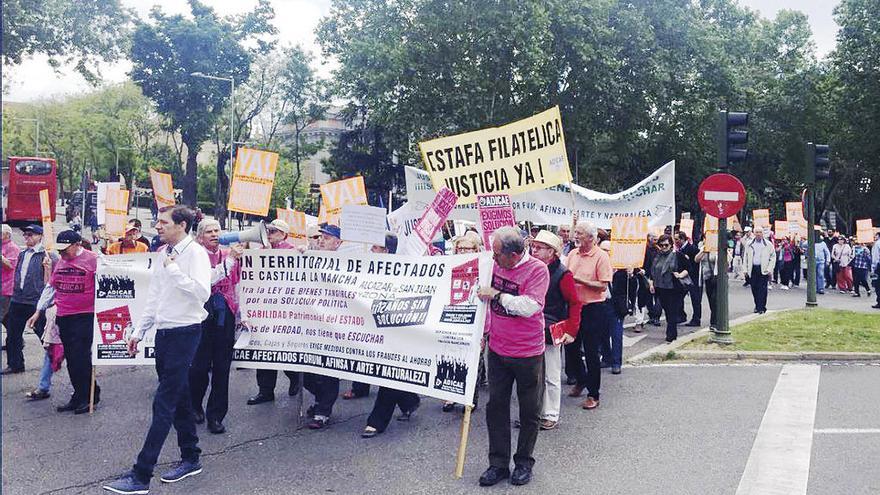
[[462, 446], [92, 391]]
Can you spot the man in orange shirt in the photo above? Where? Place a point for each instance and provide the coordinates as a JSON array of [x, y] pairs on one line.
[[592, 272], [129, 243]]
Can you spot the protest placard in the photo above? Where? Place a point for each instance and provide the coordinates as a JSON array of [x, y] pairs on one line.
[[298, 224], [163, 189], [432, 219], [408, 323], [794, 214], [629, 239], [102, 188], [780, 228], [495, 211], [46, 217], [761, 218], [526, 155], [710, 231], [865, 231], [363, 223], [686, 225], [252, 181], [116, 212], [122, 286], [335, 195]]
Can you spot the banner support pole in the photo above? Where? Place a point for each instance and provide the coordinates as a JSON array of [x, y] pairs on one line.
[[92, 391], [462, 445]]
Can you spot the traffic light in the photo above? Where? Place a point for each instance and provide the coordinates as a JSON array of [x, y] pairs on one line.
[[730, 137], [818, 166]]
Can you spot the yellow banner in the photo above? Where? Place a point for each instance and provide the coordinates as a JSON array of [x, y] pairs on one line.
[[252, 182], [296, 220], [116, 216], [335, 195], [761, 218], [46, 216], [163, 189], [864, 231], [629, 238], [526, 155]]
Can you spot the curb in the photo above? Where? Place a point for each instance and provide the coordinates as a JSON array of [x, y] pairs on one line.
[[710, 355]]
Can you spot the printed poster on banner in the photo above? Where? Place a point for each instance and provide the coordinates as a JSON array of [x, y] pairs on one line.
[[652, 197], [163, 189], [296, 220], [252, 181], [46, 217], [629, 240], [122, 285], [432, 219], [526, 155], [363, 223], [761, 218], [116, 212], [335, 195], [496, 211], [864, 231], [405, 322]]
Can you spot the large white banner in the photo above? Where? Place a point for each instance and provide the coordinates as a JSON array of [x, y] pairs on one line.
[[653, 197], [121, 288], [406, 322]]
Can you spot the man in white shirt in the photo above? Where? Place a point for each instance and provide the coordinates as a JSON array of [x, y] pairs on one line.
[[180, 286], [759, 257]]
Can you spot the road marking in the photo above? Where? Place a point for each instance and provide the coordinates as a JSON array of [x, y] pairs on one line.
[[631, 341], [846, 431], [779, 463], [721, 196]]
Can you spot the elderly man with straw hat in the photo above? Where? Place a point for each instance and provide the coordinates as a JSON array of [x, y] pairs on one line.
[[562, 319]]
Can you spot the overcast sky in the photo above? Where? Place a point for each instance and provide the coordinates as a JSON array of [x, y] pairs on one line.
[[296, 21]]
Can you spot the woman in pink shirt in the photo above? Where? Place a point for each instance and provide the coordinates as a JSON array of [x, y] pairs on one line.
[[10, 259]]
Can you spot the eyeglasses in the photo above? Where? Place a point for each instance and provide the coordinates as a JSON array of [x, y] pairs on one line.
[[663, 244], [467, 250]]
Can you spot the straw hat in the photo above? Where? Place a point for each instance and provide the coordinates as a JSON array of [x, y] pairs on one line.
[[550, 239]]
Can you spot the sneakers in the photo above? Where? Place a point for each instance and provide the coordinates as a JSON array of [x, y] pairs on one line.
[[183, 470], [318, 422], [128, 484]]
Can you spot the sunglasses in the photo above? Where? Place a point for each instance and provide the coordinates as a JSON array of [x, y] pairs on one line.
[[663, 244]]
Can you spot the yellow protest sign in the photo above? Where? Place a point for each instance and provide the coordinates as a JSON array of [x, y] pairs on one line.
[[116, 215], [710, 234], [46, 216], [296, 220], [780, 228], [629, 239], [794, 214], [864, 231], [163, 189], [252, 181], [335, 195], [658, 230], [526, 155], [686, 225], [761, 218]]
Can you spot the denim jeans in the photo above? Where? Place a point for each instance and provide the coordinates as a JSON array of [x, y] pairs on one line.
[[175, 349], [612, 347], [820, 277], [46, 373]]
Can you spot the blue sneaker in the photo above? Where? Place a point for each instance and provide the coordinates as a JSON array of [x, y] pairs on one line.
[[128, 484], [184, 469]]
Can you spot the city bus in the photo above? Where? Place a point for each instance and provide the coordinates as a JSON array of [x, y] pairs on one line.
[[22, 183]]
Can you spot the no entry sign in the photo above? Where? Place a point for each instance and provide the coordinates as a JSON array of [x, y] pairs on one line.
[[721, 195]]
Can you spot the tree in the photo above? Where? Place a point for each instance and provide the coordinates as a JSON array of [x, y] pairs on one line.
[[363, 152], [80, 32], [167, 51]]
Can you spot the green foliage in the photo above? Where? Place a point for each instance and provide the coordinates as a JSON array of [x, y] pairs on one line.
[[364, 152], [80, 32]]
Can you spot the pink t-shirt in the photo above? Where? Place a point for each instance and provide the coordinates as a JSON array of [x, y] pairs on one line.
[[10, 251], [519, 336], [226, 286], [74, 283]]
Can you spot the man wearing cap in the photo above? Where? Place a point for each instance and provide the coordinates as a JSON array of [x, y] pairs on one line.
[[214, 354], [72, 289], [278, 232], [28, 284], [10, 260], [324, 388], [561, 306], [516, 354], [129, 243], [175, 308]]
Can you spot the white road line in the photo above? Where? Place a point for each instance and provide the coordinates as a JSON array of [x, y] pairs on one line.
[[779, 463], [846, 431]]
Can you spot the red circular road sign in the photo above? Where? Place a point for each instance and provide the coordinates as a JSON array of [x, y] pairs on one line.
[[721, 195]]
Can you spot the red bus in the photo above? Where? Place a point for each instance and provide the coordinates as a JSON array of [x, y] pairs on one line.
[[21, 190]]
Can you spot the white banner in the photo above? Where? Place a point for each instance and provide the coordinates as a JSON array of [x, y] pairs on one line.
[[121, 288], [406, 322], [653, 197]]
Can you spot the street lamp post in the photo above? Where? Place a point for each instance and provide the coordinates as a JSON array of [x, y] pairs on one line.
[[231, 81]]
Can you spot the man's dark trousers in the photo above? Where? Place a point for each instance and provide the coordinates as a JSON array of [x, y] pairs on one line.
[[696, 293], [528, 373], [594, 330], [266, 380], [759, 288], [711, 293], [15, 322], [172, 404], [76, 335], [325, 389], [214, 356], [386, 400]]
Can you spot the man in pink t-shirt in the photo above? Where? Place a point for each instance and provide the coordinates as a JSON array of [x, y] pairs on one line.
[[516, 354], [72, 288]]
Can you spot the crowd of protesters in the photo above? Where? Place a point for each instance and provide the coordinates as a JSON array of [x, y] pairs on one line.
[[556, 309]]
